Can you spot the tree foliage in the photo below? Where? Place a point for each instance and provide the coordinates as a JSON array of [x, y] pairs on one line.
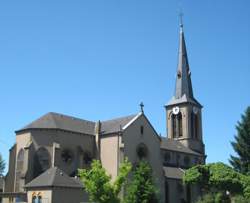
[[98, 184], [241, 145], [2, 165], [141, 188], [218, 178]]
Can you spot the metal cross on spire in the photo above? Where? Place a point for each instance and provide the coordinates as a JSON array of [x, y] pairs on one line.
[[142, 107], [181, 18]]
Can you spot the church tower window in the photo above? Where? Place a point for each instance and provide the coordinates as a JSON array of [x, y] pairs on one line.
[[194, 125], [177, 129]]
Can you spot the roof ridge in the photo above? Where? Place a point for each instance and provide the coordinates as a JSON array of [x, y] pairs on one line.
[[119, 118], [72, 117]]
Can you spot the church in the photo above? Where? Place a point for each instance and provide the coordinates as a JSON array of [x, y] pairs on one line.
[[44, 160]]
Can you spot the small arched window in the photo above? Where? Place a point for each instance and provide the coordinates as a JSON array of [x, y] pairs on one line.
[[34, 198]]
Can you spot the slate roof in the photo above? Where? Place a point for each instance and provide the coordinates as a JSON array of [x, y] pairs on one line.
[[173, 172], [59, 121], [174, 145], [114, 125], [54, 177], [183, 85], [63, 122]]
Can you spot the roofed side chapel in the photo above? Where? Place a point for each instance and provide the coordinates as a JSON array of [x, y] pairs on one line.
[[44, 160]]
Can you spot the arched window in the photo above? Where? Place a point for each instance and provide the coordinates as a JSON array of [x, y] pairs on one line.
[[173, 122], [42, 161], [179, 118], [196, 129], [177, 129], [194, 125], [142, 151], [20, 160], [34, 198], [39, 199]]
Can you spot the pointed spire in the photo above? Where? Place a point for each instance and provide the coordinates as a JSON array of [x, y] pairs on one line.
[[183, 79]]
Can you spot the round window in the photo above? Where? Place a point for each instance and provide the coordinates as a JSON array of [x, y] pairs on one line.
[[67, 156]]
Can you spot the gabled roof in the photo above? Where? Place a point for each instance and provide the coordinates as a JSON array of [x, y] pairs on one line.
[[115, 125], [59, 121], [175, 145], [173, 172], [54, 177]]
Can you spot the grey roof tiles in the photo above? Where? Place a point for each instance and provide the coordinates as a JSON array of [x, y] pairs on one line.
[[54, 177], [115, 125], [63, 122], [183, 86], [175, 145]]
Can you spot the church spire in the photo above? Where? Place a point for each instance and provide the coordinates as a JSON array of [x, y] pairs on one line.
[[183, 79]]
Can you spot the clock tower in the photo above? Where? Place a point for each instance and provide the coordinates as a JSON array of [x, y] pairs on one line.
[[184, 112]]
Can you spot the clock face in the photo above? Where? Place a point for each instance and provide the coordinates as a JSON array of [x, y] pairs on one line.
[[176, 110], [195, 110]]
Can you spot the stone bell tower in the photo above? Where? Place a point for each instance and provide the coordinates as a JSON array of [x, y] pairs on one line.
[[184, 112]]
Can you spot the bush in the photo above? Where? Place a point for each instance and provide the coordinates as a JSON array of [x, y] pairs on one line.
[[214, 198]]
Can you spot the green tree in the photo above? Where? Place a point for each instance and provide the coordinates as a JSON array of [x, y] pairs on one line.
[[2, 165], [216, 180], [241, 145], [141, 188], [98, 184]]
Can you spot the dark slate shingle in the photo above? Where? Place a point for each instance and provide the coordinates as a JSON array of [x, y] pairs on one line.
[[59, 121], [114, 125], [54, 177], [175, 145]]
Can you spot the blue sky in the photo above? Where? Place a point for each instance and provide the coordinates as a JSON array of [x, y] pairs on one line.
[[98, 59]]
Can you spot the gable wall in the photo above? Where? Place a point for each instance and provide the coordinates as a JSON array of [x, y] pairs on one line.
[[132, 137]]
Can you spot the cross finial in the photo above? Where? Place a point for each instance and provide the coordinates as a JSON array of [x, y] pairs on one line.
[[181, 18], [142, 106]]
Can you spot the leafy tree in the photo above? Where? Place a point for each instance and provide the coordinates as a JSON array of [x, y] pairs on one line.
[[2, 165], [217, 179], [214, 198], [98, 184], [141, 188], [241, 145]]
